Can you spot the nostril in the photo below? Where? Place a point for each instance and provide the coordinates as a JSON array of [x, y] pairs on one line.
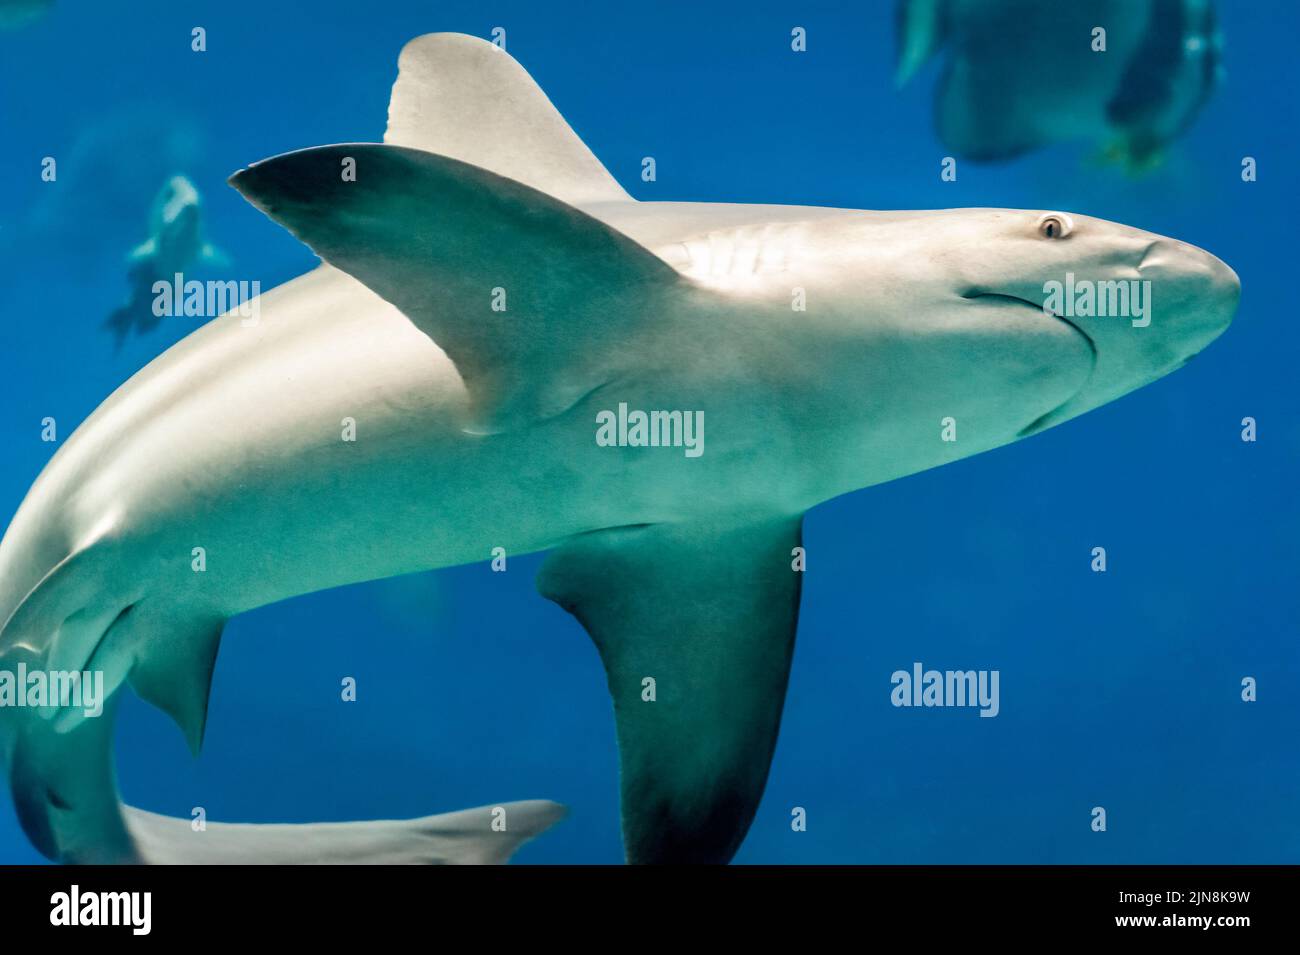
[[1146, 254]]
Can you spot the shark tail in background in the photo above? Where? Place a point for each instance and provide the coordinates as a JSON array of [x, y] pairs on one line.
[[119, 323], [137, 310]]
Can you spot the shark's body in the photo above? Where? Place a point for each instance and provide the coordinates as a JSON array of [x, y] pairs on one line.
[[476, 428]]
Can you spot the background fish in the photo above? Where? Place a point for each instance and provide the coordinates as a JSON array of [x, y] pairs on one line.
[[18, 13], [175, 242], [1020, 74]]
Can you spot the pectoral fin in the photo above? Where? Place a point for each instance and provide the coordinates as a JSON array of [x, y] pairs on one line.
[[145, 250], [695, 626]]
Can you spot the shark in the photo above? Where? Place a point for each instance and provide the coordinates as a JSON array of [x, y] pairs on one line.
[[1131, 75], [476, 368], [175, 242]]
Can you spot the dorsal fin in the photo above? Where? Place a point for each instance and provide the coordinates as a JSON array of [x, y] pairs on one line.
[[447, 242], [463, 97]]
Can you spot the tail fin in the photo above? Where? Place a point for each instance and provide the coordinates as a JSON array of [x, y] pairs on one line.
[[60, 768], [468, 99], [119, 323], [488, 835]]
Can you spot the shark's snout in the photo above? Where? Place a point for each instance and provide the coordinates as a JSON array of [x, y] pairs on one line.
[[1147, 313], [1193, 292]]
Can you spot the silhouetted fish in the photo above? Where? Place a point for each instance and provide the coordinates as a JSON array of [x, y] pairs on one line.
[[1024, 73]]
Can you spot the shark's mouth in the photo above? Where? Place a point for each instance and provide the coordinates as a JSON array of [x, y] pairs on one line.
[[1051, 417]]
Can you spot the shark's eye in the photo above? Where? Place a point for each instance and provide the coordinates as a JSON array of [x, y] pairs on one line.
[[1054, 226]]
